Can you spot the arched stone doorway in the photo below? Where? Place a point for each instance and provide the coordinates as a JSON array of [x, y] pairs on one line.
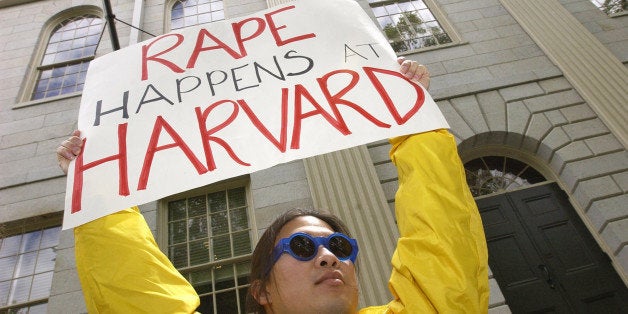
[[543, 257]]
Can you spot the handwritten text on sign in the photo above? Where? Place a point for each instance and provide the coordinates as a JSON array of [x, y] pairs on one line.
[[225, 99]]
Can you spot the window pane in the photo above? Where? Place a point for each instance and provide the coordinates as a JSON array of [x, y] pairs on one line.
[[73, 69], [20, 290], [55, 84], [179, 255], [204, 18], [190, 20], [197, 206], [237, 198], [217, 6], [176, 210], [64, 79], [217, 201], [177, 10], [226, 302], [392, 9], [205, 7], [190, 12], [5, 286], [224, 277], [45, 260], [408, 25], [7, 267], [419, 4], [50, 237], [26, 264], [406, 6], [222, 247], [177, 23], [243, 270], [241, 243], [198, 228], [220, 225], [199, 252], [611, 7], [30, 242], [239, 220], [443, 38], [201, 281], [379, 11], [207, 304], [242, 294], [10, 245], [177, 232], [71, 40], [493, 174], [41, 286], [218, 15]]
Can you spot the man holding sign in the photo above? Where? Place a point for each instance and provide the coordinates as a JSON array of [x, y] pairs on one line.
[[196, 100], [439, 265]]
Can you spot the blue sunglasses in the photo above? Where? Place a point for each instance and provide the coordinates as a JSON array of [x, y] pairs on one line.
[[304, 247]]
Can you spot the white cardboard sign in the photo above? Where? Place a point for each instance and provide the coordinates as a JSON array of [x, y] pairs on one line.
[[219, 100]]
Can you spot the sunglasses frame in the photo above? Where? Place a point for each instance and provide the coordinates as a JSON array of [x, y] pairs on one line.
[[284, 246]]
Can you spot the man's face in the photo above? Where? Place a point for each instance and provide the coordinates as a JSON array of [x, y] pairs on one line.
[[323, 284]]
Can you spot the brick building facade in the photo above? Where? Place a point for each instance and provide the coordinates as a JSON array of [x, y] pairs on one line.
[[523, 84]]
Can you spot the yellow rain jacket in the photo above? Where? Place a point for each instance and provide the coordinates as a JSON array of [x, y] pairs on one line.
[[440, 264], [122, 270]]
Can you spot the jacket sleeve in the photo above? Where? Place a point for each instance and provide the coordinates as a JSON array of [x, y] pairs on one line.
[[122, 270], [440, 263]]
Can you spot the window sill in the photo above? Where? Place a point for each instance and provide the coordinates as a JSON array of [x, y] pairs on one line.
[[46, 100], [425, 49], [619, 14]]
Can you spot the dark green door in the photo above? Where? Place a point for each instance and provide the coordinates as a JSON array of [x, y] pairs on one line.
[[544, 258]]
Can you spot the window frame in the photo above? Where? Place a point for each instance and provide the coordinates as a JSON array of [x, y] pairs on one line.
[[25, 226], [162, 227], [168, 16], [439, 15], [32, 76], [599, 7], [505, 174]]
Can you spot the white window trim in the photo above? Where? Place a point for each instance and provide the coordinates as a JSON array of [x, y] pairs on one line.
[[168, 15], [32, 74], [612, 15], [440, 16], [162, 213], [22, 227]]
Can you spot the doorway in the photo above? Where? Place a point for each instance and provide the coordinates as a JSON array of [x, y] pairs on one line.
[[544, 258]]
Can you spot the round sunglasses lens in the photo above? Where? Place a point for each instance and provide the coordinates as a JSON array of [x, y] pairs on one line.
[[340, 247], [302, 247]]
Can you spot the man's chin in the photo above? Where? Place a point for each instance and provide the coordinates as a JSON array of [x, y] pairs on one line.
[[338, 301]]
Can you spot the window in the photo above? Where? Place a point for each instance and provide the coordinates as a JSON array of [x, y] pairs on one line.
[[409, 25], [71, 46], [27, 263], [611, 7], [193, 12], [495, 174], [209, 241]]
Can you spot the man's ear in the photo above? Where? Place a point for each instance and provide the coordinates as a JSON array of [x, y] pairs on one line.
[[259, 293]]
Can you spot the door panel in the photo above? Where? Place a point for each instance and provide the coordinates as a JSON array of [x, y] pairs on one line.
[[544, 258], [514, 260]]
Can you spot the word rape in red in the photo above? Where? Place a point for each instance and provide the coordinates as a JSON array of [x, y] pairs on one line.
[[260, 25]]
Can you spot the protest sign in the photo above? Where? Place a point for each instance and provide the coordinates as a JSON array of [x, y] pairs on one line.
[[219, 100]]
